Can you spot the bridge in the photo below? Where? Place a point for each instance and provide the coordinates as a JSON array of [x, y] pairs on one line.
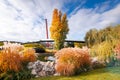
[[50, 40]]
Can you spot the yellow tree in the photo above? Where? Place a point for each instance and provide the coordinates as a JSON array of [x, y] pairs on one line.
[[59, 28]]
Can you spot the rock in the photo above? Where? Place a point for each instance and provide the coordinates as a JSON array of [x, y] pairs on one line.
[[43, 63], [30, 65], [94, 59], [52, 64], [33, 72], [40, 68], [51, 58], [37, 76], [57, 74], [37, 54], [42, 73]]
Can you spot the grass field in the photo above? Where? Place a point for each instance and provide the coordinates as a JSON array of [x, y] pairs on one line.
[[111, 73]]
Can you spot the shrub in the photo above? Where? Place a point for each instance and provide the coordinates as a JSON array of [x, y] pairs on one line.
[[10, 60], [39, 50], [117, 54], [29, 55], [72, 60], [13, 46], [42, 57], [79, 45], [117, 51], [103, 51], [69, 44], [65, 69], [23, 74], [38, 47], [1, 43], [97, 64]]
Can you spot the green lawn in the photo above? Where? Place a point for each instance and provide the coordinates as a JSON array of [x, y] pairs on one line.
[[112, 73]]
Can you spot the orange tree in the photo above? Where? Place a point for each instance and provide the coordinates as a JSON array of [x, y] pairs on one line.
[[59, 29]]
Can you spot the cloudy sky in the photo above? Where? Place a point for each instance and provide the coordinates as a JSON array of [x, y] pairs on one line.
[[23, 20]]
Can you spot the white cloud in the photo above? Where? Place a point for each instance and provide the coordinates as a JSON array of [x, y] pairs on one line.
[[23, 20], [86, 19]]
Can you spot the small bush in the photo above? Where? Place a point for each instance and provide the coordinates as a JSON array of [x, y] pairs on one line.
[[97, 64], [72, 60], [79, 45], [29, 55], [23, 74], [117, 54], [42, 57], [39, 50], [103, 51], [38, 47], [117, 51], [69, 44], [1, 43]]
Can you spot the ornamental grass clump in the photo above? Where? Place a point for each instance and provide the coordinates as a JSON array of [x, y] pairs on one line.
[[13, 46], [13, 60], [10, 60], [13, 56], [70, 61], [29, 55]]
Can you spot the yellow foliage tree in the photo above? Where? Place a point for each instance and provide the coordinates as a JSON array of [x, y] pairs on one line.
[[59, 29]]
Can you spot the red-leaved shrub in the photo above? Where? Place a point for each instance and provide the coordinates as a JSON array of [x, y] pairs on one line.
[[72, 60], [117, 51]]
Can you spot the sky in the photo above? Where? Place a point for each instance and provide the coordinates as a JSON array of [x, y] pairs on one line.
[[24, 20]]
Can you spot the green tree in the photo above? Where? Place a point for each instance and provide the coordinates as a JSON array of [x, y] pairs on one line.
[[110, 33], [59, 28], [91, 37]]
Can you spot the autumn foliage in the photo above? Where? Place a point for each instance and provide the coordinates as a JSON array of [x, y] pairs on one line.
[[13, 46], [94, 36], [72, 60], [12, 57], [29, 55], [59, 28], [10, 61]]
